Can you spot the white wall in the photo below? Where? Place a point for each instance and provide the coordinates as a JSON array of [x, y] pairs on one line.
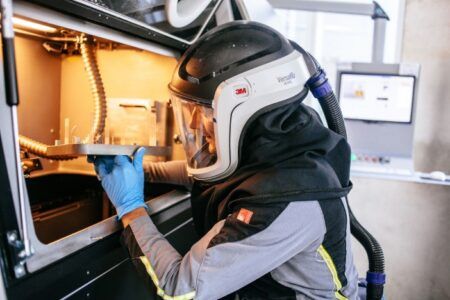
[[411, 223], [412, 220], [427, 41]]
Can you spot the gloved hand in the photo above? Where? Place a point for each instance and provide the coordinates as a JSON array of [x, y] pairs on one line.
[[107, 160], [123, 180]]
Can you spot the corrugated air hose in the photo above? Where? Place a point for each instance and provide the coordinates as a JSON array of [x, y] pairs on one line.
[[335, 121], [322, 91]]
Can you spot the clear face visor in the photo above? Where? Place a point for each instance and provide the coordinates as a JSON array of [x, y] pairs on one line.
[[197, 130]]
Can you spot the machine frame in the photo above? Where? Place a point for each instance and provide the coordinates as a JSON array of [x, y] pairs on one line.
[[106, 17], [86, 259]]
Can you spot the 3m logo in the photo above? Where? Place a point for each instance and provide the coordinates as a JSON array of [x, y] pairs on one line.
[[241, 90], [245, 215]]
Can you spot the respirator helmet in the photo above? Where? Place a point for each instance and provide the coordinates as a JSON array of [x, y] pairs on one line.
[[223, 81]]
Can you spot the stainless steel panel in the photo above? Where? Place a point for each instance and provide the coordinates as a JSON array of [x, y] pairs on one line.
[[102, 149], [47, 254]]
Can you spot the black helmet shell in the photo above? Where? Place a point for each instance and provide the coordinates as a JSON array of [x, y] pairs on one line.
[[224, 52]]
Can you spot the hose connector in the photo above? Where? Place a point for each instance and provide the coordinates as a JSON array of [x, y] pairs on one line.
[[375, 285], [375, 278], [318, 85]]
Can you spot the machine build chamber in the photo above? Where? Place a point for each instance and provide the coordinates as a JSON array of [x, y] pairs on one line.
[[84, 90], [81, 94]]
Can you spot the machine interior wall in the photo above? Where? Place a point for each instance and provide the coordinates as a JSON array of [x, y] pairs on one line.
[[126, 73], [39, 82], [410, 219]]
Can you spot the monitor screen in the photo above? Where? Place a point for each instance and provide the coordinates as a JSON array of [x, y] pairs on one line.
[[376, 97]]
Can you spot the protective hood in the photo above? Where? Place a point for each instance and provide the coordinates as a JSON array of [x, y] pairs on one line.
[[286, 155]]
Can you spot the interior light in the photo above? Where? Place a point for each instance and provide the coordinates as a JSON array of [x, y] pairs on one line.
[[32, 25]]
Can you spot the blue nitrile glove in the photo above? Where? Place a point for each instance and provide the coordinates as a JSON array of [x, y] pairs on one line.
[[107, 160], [123, 181]]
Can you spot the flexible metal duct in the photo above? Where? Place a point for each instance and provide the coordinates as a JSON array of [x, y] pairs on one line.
[[88, 53], [38, 148]]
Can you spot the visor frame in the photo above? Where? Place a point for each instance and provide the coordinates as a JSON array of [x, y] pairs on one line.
[[173, 91], [194, 122]]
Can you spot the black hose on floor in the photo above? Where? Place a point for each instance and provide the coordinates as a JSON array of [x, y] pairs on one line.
[[322, 90]]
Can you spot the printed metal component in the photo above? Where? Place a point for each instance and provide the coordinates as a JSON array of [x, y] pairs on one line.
[[30, 165], [177, 139]]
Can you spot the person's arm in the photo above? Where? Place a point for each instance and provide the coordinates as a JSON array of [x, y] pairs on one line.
[[250, 243], [133, 215], [173, 172]]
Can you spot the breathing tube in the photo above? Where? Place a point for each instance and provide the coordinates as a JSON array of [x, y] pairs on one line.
[[88, 54], [321, 89]]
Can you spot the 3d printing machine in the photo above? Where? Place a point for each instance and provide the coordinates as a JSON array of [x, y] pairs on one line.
[[92, 80]]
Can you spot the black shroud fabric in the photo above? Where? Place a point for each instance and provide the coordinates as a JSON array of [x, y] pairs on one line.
[[286, 155]]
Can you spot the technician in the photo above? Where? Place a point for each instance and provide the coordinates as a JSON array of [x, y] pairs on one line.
[[267, 179]]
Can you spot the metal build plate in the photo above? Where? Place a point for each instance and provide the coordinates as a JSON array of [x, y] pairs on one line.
[[71, 150]]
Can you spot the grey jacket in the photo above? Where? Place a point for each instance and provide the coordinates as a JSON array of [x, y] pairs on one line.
[[301, 250]]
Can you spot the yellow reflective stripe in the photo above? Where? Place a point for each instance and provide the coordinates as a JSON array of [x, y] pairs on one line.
[[339, 296], [330, 264], [159, 290]]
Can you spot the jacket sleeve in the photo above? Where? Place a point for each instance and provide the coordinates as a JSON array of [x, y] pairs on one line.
[[173, 172], [238, 250]]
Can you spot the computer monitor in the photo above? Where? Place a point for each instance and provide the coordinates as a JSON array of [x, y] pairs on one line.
[[377, 97], [378, 102]]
